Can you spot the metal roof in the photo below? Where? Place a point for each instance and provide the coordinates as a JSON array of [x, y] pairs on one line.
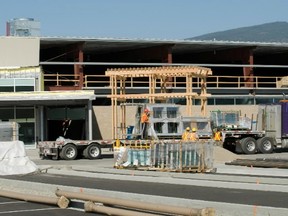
[[108, 45]]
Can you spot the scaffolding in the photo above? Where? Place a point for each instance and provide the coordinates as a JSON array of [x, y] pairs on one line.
[[118, 78]]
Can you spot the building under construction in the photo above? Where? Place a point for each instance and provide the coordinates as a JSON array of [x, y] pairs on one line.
[[80, 80]]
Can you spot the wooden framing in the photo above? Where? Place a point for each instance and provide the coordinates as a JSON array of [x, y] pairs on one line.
[[118, 79]]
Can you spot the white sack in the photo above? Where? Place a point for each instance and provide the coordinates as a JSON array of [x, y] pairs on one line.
[[13, 159]]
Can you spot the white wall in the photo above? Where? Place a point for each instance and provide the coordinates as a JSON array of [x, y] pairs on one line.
[[19, 51]]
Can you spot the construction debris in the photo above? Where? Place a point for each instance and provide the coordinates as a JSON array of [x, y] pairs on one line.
[[260, 162]]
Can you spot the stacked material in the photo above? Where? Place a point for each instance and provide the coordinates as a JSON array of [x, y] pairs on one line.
[[174, 156]]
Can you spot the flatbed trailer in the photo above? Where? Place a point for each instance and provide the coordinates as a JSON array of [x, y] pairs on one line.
[[68, 149], [246, 141]]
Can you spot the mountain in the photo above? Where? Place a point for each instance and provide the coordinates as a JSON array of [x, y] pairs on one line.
[[269, 32]]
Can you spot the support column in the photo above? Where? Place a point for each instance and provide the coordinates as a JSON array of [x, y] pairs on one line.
[[168, 59], [78, 69], [248, 71], [41, 109]]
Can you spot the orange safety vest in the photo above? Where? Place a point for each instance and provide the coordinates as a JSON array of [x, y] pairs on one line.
[[185, 136], [144, 118], [217, 136], [193, 136]]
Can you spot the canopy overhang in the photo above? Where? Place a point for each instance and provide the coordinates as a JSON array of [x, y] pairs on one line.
[[46, 98]]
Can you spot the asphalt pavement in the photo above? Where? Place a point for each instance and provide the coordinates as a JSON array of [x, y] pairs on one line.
[[227, 176]]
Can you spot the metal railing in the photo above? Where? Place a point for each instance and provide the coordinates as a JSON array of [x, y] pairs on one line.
[[61, 79], [91, 81]]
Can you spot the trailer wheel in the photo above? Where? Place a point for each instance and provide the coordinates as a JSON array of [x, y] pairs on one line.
[[265, 145], [93, 151], [69, 152], [248, 145]]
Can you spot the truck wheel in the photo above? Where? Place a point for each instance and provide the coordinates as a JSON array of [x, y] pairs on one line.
[[248, 145], [265, 145], [69, 152], [93, 151]]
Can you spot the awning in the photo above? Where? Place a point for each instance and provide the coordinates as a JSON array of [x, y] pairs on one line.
[[46, 98]]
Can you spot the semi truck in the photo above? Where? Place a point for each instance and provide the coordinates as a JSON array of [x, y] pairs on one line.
[[267, 133]]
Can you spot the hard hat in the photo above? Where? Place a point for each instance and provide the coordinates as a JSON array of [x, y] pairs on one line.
[[193, 129], [146, 110], [188, 129]]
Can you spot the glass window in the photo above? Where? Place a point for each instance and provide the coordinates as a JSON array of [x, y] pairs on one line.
[[27, 132], [265, 100], [245, 101], [24, 88], [228, 101], [56, 113], [211, 101], [24, 82], [11, 85], [76, 113], [24, 113], [6, 89], [6, 82], [7, 114]]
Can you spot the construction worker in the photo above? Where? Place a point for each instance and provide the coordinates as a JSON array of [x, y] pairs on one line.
[[186, 134], [217, 137], [145, 123], [194, 135]]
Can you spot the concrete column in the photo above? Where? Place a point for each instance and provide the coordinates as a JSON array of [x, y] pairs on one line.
[[41, 110]]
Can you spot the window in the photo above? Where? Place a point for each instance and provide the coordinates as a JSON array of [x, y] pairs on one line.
[[17, 85]]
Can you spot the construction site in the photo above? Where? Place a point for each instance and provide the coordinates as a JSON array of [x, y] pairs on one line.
[[77, 107], [163, 148]]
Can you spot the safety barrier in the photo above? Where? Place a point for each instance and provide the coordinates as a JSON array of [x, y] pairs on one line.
[[174, 156]]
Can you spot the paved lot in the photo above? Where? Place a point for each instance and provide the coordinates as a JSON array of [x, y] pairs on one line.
[[227, 177]]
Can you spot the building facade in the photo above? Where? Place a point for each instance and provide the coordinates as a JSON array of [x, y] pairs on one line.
[[70, 82]]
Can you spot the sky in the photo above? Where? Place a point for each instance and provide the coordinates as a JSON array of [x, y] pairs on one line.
[[142, 19]]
